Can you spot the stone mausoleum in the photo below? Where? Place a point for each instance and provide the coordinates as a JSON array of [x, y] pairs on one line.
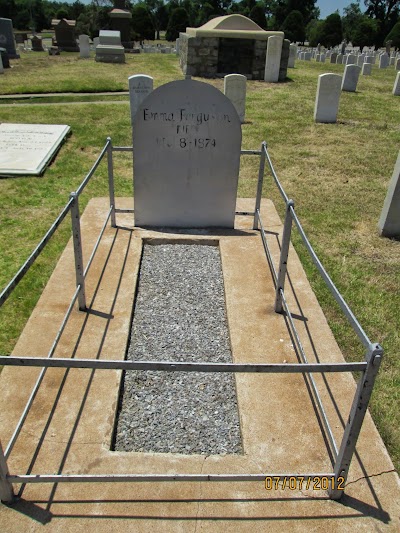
[[232, 44]]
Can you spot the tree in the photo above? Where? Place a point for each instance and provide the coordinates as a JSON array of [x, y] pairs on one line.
[[257, 14], [314, 31], [294, 27], [158, 13], [331, 30], [283, 8], [8, 9], [177, 23], [142, 24], [386, 13], [394, 35], [351, 18]]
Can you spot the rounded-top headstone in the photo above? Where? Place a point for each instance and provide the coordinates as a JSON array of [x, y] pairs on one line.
[[187, 141]]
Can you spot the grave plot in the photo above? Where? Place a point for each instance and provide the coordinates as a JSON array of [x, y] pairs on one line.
[[299, 409]]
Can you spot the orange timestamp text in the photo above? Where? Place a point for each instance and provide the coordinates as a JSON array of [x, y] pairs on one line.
[[300, 483]]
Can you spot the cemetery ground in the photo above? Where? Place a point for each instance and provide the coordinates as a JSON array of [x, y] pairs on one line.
[[336, 173]]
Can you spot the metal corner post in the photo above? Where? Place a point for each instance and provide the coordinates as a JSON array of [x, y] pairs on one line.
[[355, 421], [111, 180], [6, 489], [287, 231], [260, 183], [76, 235]]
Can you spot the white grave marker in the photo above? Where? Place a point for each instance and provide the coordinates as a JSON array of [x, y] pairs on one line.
[[235, 90], [186, 157], [389, 221], [350, 78], [140, 86], [273, 59], [327, 99], [28, 148], [84, 47]]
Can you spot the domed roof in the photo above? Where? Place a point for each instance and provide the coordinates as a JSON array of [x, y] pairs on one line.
[[231, 22]]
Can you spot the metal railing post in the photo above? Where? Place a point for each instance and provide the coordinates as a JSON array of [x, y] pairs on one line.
[[76, 234], [6, 489], [111, 181], [259, 183], [287, 230], [356, 418]]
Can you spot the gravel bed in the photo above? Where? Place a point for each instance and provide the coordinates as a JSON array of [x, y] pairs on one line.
[[179, 315]]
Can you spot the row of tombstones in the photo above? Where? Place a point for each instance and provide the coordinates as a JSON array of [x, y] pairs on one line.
[[352, 59]]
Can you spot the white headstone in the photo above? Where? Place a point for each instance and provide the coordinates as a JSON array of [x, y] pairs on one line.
[[322, 58], [350, 78], [28, 148], [273, 59], [84, 46], [384, 61], [96, 41], [235, 90], [327, 99], [366, 69], [397, 64], [140, 86], [307, 56], [389, 221], [292, 55], [396, 86], [186, 157]]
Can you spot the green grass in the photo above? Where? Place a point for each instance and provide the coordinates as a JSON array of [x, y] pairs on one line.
[[336, 173]]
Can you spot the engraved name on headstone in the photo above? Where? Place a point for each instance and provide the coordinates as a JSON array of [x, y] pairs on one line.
[[26, 149], [186, 157]]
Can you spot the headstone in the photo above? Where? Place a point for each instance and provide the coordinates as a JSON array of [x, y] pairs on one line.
[[322, 58], [397, 64], [235, 90], [350, 78], [186, 157], [65, 35], [121, 21], [37, 45], [109, 49], [318, 58], [351, 59], [7, 38], [392, 60], [307, 56], [292, 55], [1, 66], [54, 51], [339, 59], [396, 86], [4, 58], [361, 60], [28, 148], [84, 46], [366, 69], [273, 59], [96, 42], [327, 99], [369, 59], [140, 86], [384, 61], [389, 221]]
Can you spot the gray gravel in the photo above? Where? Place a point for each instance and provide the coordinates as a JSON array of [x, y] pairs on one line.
[[179, 316]]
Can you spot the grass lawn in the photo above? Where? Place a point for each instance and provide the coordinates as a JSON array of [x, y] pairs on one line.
[[336, 173]]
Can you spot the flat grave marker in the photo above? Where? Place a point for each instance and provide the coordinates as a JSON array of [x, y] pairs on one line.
[[26, 149]]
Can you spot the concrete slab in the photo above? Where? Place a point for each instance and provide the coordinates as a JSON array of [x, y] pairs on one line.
[[69, 428]]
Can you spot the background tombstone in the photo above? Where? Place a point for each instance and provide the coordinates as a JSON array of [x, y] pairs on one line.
[[292, 55], [366, 69], [110, 49], [396, 86], [140, 86], [7, 40], [186, 157], [339, 59], [327, 98], [96, 42], [384, 61], [235, 90], [389, 222], [65, 35], [84, 46], [350, 78], [37, 44], [1, 66], [273, 59]]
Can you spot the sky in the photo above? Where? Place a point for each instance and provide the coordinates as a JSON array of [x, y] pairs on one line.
[[327, 7]]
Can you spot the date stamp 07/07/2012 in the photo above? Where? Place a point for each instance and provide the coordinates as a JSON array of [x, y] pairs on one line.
[[304, 483]]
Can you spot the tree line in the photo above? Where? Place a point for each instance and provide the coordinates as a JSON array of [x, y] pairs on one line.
[[299, 19]]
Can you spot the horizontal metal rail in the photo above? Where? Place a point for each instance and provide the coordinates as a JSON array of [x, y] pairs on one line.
[[93, 169], [97, 242], [123, 478], [122, 148], [173, 366], [124, 210], [35, 389], [31, 259], [314, 387], [250, 152], [331, 286], [276, 179]]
